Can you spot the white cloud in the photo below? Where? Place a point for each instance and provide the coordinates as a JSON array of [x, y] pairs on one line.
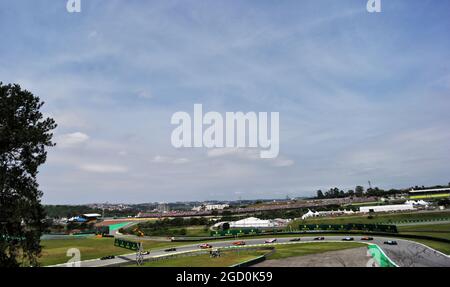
[[71, 140], [217, 152], [93, 34], [144, 94], [103, 168], [283, 162], [122, 153], [180, 160], [338, 106], [236, 152], [170, 160], [71, 120]]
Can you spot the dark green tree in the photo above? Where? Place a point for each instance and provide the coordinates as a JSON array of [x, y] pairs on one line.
[[359, 191], [320, 194], [350, 192], [226, 226], [24, 136]]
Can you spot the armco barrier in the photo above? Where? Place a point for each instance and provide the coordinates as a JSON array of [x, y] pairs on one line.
[[254, 261], [250, 262], [380, 257]]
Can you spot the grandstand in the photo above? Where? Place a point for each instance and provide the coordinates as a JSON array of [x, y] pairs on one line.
[[429, 193]]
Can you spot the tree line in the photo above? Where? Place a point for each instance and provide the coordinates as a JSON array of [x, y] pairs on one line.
[[359, 191]]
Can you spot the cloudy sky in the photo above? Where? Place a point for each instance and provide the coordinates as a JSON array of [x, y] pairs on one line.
[[361, 96]]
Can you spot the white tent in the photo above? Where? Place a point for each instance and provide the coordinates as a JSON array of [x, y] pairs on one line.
[[252, 222], [386, 208], [419, 202], [309, 214]]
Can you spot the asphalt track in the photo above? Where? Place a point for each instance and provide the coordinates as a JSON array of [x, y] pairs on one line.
[[405, 254]]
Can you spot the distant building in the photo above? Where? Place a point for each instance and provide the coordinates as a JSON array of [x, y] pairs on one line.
[[386, 208], [253, 222], [208, 207], [417, 202], [163, 208]]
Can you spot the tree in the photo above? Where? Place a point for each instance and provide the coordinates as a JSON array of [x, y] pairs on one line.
[[226, 226], [24, 136], [351, 193], [320, 194], [359, 191]]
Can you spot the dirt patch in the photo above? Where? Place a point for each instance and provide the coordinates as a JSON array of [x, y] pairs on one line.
[[356, 257]]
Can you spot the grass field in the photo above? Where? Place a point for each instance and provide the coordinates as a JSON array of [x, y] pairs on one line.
[[437, 230], [229, 258], [433, 230], [195, 230], [54, 251], [365, 203], [377, 218], [226, 259], [425, 196], [440, 246]]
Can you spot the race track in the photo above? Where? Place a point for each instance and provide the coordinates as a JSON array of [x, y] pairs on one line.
[[405, 254]]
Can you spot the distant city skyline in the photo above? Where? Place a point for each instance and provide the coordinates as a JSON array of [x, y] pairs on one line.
[[361, 96]]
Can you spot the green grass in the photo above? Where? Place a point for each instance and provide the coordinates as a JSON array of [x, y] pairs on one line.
[[54, 251], [433, 230], [440, 246], [196, 230], [365, 203], [193, 230], [377, 218], [301, 249], [424, 196], [229, 258], [436, 230], [226, 259]]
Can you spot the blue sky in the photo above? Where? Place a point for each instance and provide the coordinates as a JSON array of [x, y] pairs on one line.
[[361, 96]]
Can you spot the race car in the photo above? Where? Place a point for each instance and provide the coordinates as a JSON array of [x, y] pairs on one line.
[[347, 239], [295, 239], [108, 257], [366, 238], [319, 238], [273, 240], [170, 249], [205, 246], [238, 243], [390, 242]]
